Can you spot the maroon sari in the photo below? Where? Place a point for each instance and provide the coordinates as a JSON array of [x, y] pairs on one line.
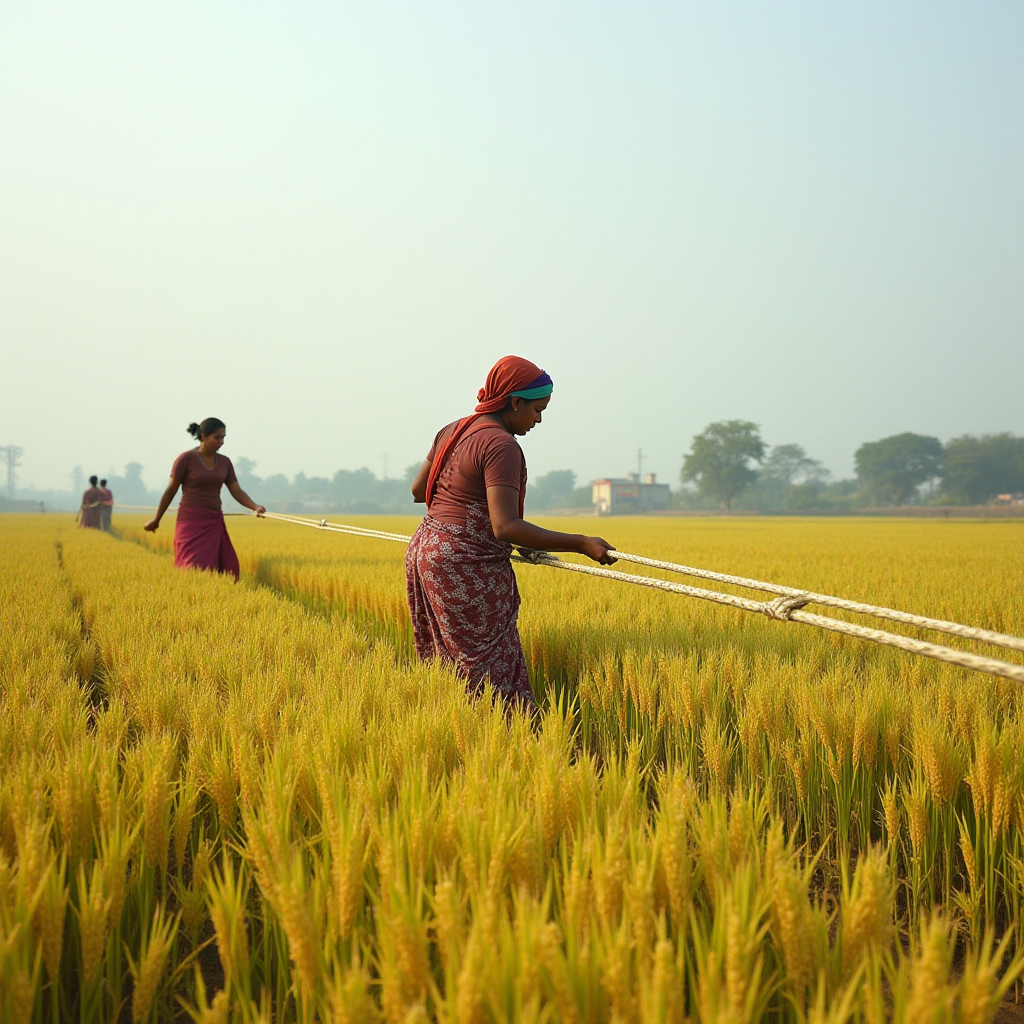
[[92, 514], [464, 604], [201, 541]]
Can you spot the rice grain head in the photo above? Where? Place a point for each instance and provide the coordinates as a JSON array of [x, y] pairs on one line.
[[791, 923], [349, 996], [931, 997], [891, 812], [867, 909], [967, 850], [296, 912], [50, 914], [149, 968], [986, 979], [91, 912], [227, 896]]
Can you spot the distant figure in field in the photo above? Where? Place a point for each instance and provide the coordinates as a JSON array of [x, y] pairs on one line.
[[462, 591], [91, 516], [201, 539], [106, 505]]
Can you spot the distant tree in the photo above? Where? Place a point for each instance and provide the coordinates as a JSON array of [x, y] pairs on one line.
[[350, 485], [976, 469], [316, 491], [893, 468], [552, 490], [581, 497], [275, 491], [719, 461], [789, 479], [244, 469], [789, 464], [131, 486]]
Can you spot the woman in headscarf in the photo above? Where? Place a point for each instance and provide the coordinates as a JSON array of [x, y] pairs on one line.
[[462, 591], [201, 539], [91, 514]]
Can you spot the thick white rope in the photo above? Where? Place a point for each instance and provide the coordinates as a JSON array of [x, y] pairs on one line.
[[355, 531], [784, 608], [968, 632], [787, 609]]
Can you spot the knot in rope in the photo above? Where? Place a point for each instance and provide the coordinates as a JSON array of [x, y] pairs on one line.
[[529, 555], [782, 608]]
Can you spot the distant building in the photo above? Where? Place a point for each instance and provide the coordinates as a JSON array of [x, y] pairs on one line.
[[17, 505], [629, 496]]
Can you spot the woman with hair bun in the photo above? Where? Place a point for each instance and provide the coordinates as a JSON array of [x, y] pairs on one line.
[[462, 591], [201, 539]]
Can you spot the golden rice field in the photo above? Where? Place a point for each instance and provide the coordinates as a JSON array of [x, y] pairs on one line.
[[247, 802]]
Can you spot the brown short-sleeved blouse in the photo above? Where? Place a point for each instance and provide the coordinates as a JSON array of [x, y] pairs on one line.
[[487, 455], [200, 486]]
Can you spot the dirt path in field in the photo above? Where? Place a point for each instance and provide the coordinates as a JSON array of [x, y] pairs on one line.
[[90, 658]]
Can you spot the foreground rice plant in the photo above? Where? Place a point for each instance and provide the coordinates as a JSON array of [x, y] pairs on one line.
[[246, 803]]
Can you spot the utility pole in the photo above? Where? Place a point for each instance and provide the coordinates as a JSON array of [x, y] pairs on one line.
[[11, 455], [639, 463]]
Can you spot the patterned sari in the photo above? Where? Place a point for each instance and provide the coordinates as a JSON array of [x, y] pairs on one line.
[[464, 604]]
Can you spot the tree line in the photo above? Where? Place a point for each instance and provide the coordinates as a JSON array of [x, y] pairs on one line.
[[729, 465]]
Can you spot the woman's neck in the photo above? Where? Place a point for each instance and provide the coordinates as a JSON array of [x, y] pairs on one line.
[[499, 419]]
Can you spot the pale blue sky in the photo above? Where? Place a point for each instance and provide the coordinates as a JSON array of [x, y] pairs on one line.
[[323, 222]]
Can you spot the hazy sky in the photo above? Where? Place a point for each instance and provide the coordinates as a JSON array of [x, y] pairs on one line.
[[322, 222]]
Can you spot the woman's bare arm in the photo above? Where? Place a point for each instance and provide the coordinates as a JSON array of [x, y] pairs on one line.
[[243, 499], [419, 484], [503, 508], [165, 500]]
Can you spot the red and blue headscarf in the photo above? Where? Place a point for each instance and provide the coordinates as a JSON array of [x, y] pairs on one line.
[[510, 377]]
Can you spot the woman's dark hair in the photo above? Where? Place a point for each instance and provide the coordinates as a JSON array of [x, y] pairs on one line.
[[92, 480], [208, 426]]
